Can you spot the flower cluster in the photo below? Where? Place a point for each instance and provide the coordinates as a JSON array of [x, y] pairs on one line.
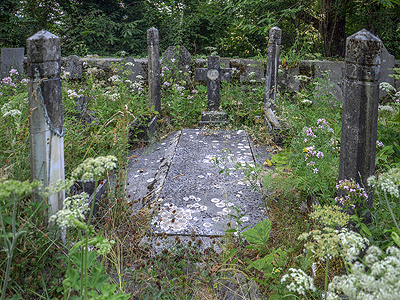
[[95, 168], [354, 193], [330, 215], [74, 208], [375, 279], [8, 81], [298, 281], [72, 94], [330, 243], [388, 182]]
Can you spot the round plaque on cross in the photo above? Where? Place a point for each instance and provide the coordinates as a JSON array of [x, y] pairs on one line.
[[212, 74]]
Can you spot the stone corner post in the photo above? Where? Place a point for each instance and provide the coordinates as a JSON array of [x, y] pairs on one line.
[[360, 108], [46, 119], [154, 69], [271, 76]]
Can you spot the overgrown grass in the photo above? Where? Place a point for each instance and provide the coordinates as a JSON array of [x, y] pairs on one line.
[[42, 266]]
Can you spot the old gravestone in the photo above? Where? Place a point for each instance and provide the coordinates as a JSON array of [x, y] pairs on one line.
[[213, 75], [360, 108], [133, 69], [254, 71], [73, 65], [11, 58], [177, 59]]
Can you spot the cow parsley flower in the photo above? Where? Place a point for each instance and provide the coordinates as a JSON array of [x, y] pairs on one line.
[[95, 168], [378, 278], [74, 208], [298, 281], [387, 182]]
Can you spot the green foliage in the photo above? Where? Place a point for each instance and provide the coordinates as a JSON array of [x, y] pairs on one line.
[[259, 234], [181, 101]]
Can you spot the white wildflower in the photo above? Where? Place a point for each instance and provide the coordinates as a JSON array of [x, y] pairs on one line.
[[74, 208], [298, 281], [386, 108], [377, 279], [95, 168], [387, 87]]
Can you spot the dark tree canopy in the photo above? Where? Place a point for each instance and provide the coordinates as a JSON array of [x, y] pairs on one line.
[[230, 27]]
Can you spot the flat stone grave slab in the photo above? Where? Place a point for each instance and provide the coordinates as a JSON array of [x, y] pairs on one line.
[[196, 198]]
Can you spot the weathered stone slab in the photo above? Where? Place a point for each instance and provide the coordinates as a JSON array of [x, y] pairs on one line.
[[196, 198], [177, 60], [133, 70], [254, 71], [11, 58], [73, 65]]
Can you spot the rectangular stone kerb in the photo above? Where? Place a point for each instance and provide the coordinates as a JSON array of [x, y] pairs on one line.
[[213, 75]]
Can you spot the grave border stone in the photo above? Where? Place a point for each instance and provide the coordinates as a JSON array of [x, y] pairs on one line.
[[46, 119], [360, 108]]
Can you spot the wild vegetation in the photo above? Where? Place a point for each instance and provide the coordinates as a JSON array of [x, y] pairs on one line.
[[101, 256], [231, 28]]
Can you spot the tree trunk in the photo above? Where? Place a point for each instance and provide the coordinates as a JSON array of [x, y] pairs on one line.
[[333, 27]]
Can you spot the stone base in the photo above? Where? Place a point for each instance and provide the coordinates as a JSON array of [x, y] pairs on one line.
[[212, 118]]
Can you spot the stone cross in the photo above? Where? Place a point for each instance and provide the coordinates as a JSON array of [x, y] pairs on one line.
[[360, 108], [213, 75], [11, 58], [46, 119], [154, 69]]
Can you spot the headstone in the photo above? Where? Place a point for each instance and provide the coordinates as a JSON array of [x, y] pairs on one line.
[[82, 112], [134, 69], [73, 65], [178, 60], [11, 58], [271, 77], [46, 120], [360, 108], [213, 75], [254, 71], [386, 70], [154, 69]]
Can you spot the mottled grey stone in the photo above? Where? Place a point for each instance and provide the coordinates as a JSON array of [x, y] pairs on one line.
[[386, 70], [254, 71], [73, 65], [11, 58], [154, 69], [177, 59], [132, 69], [271, 76], [195, 188], [360, 108], [46, 119]]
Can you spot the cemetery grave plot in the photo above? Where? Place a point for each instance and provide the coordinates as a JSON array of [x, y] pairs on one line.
[[194, 197]]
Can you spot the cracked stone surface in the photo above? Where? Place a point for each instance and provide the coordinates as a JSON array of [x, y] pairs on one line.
[[192, 176]]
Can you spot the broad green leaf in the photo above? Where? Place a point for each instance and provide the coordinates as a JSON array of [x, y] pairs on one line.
[[259, 234], [396, 238]]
